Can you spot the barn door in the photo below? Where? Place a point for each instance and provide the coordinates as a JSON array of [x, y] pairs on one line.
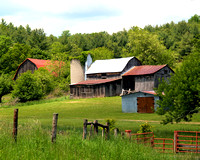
[[145, 104]]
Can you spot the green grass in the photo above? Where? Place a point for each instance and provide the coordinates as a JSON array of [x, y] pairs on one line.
[[35, 122]]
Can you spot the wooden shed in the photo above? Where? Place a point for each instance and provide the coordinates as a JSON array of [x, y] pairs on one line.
[[139, 102], [96, 88]]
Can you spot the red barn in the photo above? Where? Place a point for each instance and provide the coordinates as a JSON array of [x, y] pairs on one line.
[[32, 65]]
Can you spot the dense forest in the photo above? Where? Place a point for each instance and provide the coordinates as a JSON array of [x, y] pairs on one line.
[[166, 44]]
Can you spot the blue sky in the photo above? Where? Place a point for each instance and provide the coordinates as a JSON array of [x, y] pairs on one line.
[[88, 16]]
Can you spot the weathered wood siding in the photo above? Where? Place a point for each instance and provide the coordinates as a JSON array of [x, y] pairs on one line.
[[144, 83], [97, 90], [133, 62], [27, 65], [103, 76], [164, 73]]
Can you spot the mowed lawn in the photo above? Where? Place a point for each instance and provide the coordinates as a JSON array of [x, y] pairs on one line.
[[72, 112]]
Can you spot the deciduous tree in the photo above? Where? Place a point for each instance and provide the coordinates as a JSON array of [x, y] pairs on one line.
[[181, 98]]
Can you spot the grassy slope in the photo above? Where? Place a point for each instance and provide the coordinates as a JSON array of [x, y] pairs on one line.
[[35, 128], [72, 112]]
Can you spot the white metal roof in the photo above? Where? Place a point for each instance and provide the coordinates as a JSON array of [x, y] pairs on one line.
[[108, 65]]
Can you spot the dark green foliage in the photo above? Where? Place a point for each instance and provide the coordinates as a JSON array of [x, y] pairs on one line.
[[166, 44], [178, 37], [194, 19], [28, 87], [5, 85], [46, 79], [14, 57], [181, 97], [147, 48]]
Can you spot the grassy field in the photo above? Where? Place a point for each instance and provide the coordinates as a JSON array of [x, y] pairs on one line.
[[35, 122]]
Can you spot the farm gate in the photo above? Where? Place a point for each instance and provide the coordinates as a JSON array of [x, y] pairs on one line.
[[148, 138], [184, 141], [187, 141]]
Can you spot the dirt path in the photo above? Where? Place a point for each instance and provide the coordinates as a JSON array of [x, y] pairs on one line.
[[131, 120]]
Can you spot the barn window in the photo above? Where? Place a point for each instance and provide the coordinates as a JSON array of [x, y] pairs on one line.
[[103, 76], [165, 72]]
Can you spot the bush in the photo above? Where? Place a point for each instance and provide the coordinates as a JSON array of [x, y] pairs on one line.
[[111, 123], [46, 79], [28, 87], [5, 85], [144, 128]]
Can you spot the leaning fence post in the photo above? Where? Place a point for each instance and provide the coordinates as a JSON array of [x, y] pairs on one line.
[[54, 127], [85, 128], [15, 124]]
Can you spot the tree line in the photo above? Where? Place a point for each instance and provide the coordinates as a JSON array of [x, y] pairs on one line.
[[165, 44], [169, 43]]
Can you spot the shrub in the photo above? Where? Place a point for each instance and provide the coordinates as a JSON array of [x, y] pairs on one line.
[[144, 128], [46, 79], [5, 85], [111, 123], [28, 87]]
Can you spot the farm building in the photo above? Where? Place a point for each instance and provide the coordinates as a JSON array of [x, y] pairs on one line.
[[34, 64], [102, 78], [139, 102], [138, 84], [145, 77], [96, 88], [111, 68]]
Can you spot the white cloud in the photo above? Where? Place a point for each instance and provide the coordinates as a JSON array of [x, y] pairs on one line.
[[89, 16]]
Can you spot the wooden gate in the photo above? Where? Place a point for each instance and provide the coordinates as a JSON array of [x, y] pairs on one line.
[[145, 104]]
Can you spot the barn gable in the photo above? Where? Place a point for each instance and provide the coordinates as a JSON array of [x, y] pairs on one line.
[[111, 68], [32, 65]]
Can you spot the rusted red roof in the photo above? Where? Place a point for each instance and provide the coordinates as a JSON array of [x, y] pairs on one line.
[[39, 62], [91, 82], [144, 69]]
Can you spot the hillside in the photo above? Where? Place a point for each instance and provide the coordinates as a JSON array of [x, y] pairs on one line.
[[35, 125]]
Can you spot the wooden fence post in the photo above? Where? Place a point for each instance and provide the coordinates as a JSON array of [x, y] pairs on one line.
[[85, 128], [15, 124], [107, 130], [90, 133], [122, 134], [115, 132], [54, 127], [103, 132], [96, 127]]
